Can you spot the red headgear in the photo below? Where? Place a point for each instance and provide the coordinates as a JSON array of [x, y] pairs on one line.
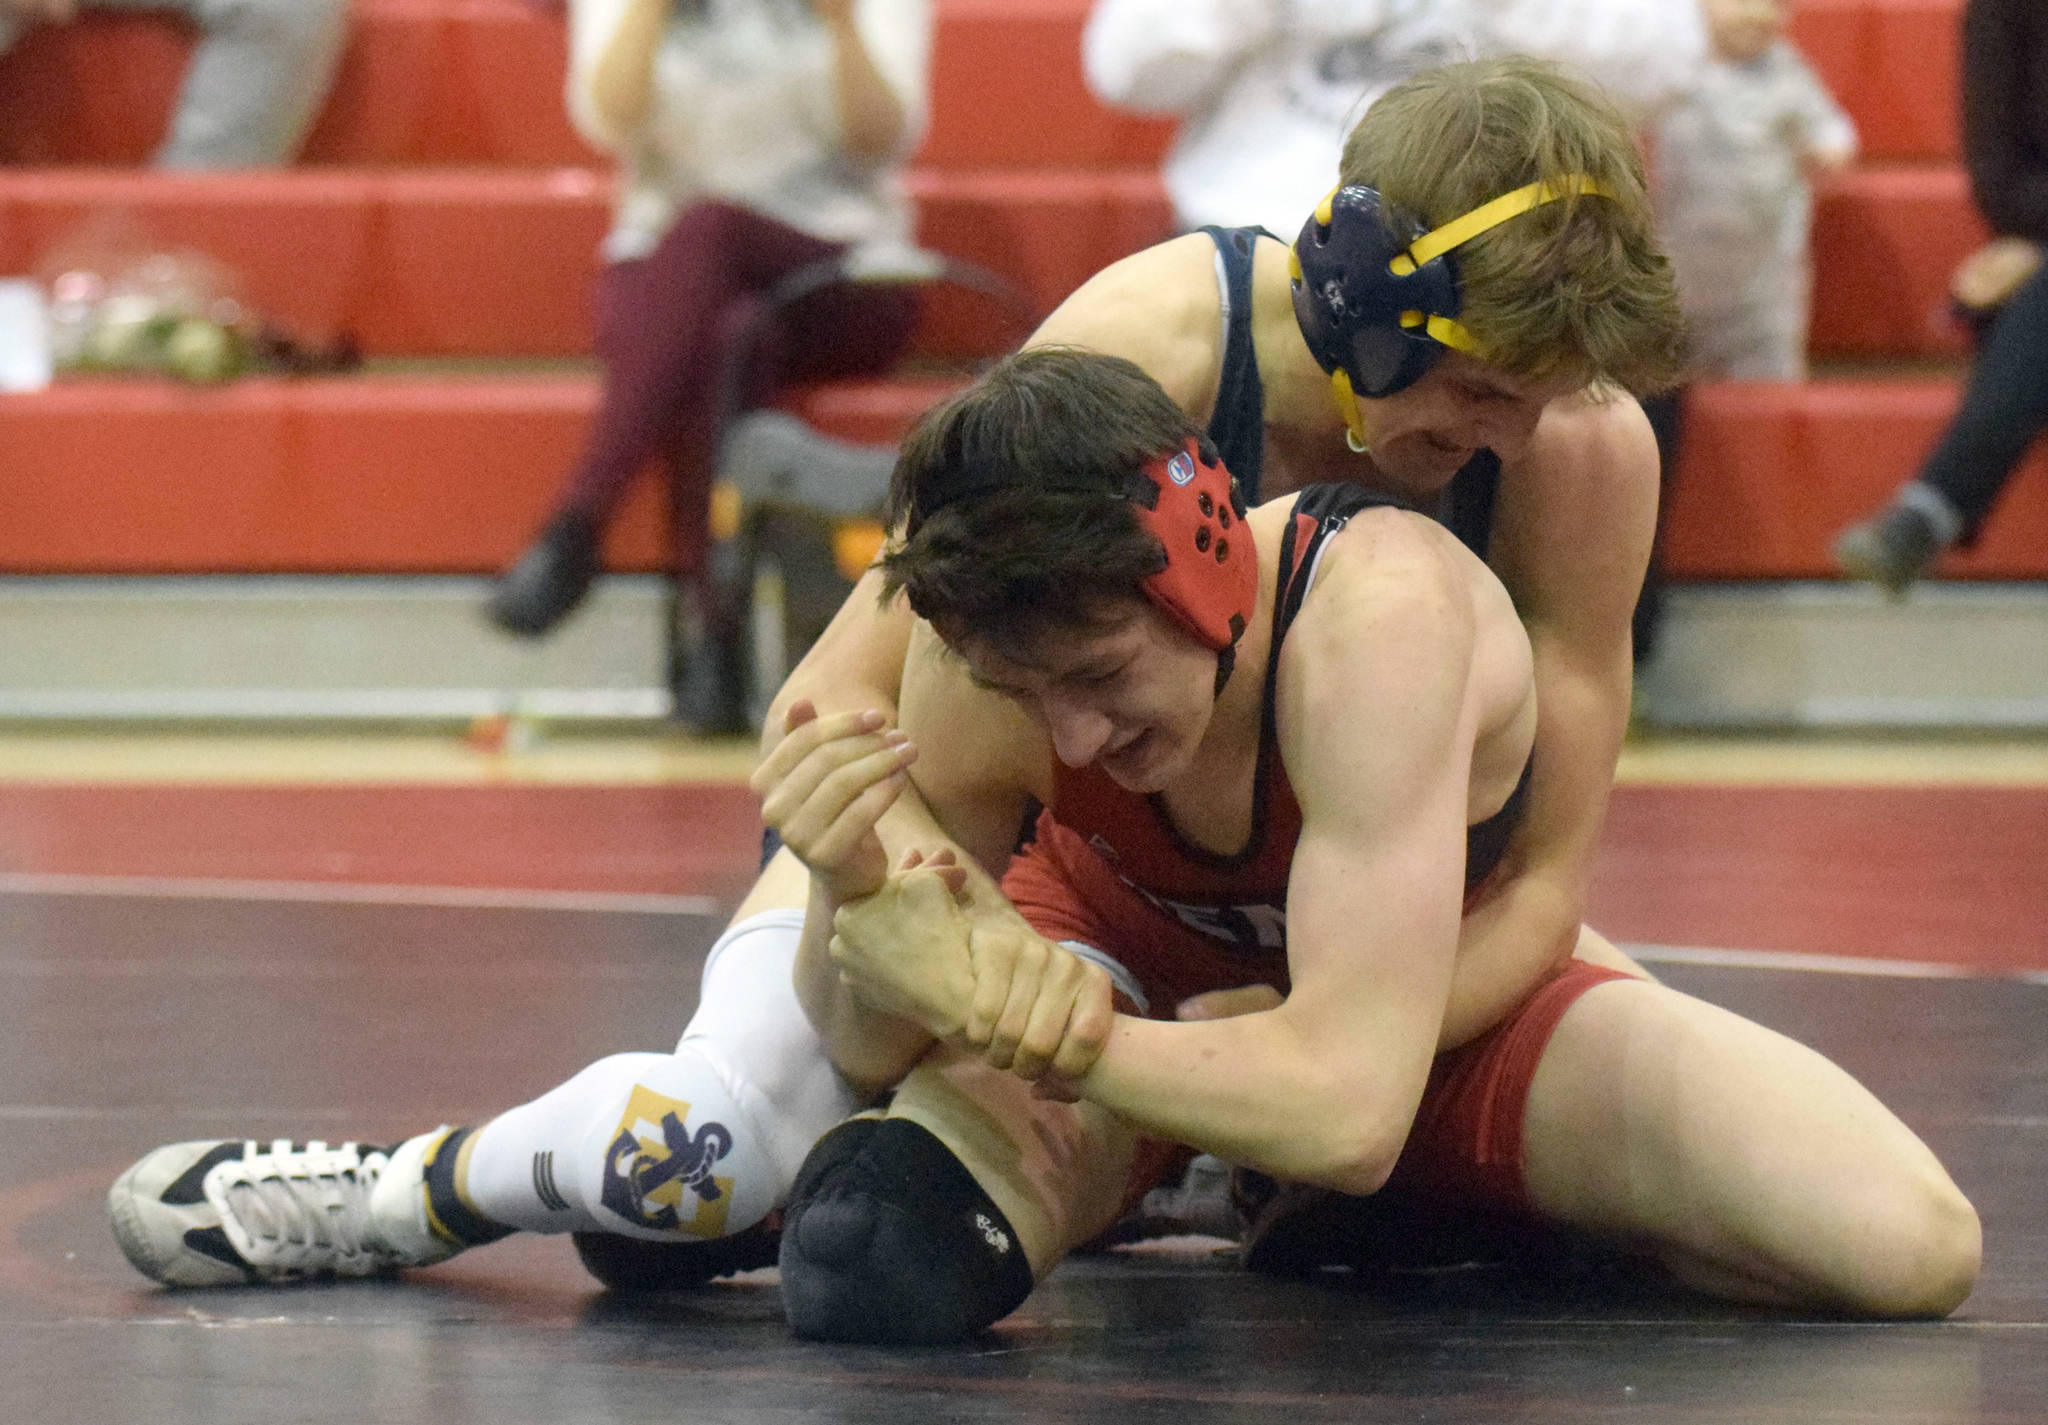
[[1190, 504], [1210, 584]]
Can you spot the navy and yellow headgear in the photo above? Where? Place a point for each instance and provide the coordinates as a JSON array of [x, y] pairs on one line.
[[1377, 294]]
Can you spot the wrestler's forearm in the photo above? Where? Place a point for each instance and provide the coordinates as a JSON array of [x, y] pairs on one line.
[[871, 1049], [1254, 1090], [874, 1047], [857, 662], [1507, 944]]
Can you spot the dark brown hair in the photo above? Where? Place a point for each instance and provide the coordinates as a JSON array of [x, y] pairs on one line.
[[1011, 497]]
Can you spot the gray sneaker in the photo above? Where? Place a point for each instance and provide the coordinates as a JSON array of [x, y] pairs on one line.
[[1891, 550]]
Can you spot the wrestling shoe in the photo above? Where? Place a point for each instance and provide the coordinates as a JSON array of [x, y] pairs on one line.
[[1202, 1204], [237, 1212], [633, 1266]]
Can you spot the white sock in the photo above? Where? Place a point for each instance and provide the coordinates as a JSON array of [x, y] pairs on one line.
[[702, 1142]]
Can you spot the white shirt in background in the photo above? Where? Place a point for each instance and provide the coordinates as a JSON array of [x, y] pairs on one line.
[[1268, 89], [744, 110]]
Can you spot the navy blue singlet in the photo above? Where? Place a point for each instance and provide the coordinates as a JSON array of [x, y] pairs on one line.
[[1237, 427]]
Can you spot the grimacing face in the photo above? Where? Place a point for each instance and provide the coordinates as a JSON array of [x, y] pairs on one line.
[[1133, 695], [1421, 436]]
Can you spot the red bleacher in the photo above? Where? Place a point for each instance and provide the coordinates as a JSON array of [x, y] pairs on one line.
[[447, 210]]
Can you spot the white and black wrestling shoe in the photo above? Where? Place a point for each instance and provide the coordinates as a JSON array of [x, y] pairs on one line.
[[239, 1212]]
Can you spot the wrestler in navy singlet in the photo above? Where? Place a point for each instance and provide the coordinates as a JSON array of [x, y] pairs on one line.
[[1237, 426]]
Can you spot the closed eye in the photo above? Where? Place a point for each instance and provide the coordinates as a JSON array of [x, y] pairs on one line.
[[1489, 394], [1001, 690], [1098, 679]]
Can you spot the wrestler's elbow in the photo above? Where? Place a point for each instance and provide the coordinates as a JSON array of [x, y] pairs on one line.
[[1352, 1151], [1367, 1169]]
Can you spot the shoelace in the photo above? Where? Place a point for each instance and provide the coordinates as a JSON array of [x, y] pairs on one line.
[[301, 1210]]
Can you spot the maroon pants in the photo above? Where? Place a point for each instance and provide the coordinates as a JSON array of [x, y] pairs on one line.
[[687, 340]]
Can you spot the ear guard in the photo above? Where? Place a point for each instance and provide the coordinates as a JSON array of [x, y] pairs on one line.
[[1377, 295], [1187, 501], [1210, 585]]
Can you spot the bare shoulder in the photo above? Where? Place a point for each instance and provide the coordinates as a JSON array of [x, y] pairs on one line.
[[1393, 574], [1590, 444], [1404, 633], [1577, 511], [1159, 308]]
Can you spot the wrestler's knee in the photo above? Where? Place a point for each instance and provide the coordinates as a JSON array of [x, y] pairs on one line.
[[1924, 1252], [888, 1239]]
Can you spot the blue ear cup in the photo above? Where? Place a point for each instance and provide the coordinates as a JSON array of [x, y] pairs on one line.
[[1350, 301]]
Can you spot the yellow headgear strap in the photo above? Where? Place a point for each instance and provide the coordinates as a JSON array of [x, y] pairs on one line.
[[1459, 231], [1432, 245]]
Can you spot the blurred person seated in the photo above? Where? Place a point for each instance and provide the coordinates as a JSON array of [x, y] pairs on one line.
[[257, 77], [756, 139], [2000, 291]]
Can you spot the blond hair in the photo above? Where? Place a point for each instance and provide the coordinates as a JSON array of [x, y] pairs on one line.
[[1575, 288]]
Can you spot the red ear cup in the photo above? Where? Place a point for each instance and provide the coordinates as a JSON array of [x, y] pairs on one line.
[[1211, 580]]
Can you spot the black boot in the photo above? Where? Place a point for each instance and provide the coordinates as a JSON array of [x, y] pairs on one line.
[[550, 579]]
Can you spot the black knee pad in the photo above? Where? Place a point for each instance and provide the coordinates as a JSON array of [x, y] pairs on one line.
[[889, 1240], [635, 1266]]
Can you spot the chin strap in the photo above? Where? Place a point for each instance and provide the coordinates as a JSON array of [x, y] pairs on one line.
[[1347, 407]]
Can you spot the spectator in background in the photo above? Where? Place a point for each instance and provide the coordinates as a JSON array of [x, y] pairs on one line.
[[1267, 89], [2001, 288], [257, 77], [755, 138], [1735, 161]]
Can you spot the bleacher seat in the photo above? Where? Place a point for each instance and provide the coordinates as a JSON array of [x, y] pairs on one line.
[[448, 211]]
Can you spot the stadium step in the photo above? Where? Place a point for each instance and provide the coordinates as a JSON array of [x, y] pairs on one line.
[[1806, 655], [419, 473], [500, 262], [326, 649], [480, 81], [1769, 474], [380, 473], [1885, 239], [1894, 65], [382, 648], [422, 81]]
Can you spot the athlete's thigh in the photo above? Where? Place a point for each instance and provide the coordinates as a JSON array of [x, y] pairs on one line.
[[1659, 1118], [1057, 1170], [783, 884]]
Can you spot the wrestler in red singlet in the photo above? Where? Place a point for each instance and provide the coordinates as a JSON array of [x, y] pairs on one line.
[[1108, 871]]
